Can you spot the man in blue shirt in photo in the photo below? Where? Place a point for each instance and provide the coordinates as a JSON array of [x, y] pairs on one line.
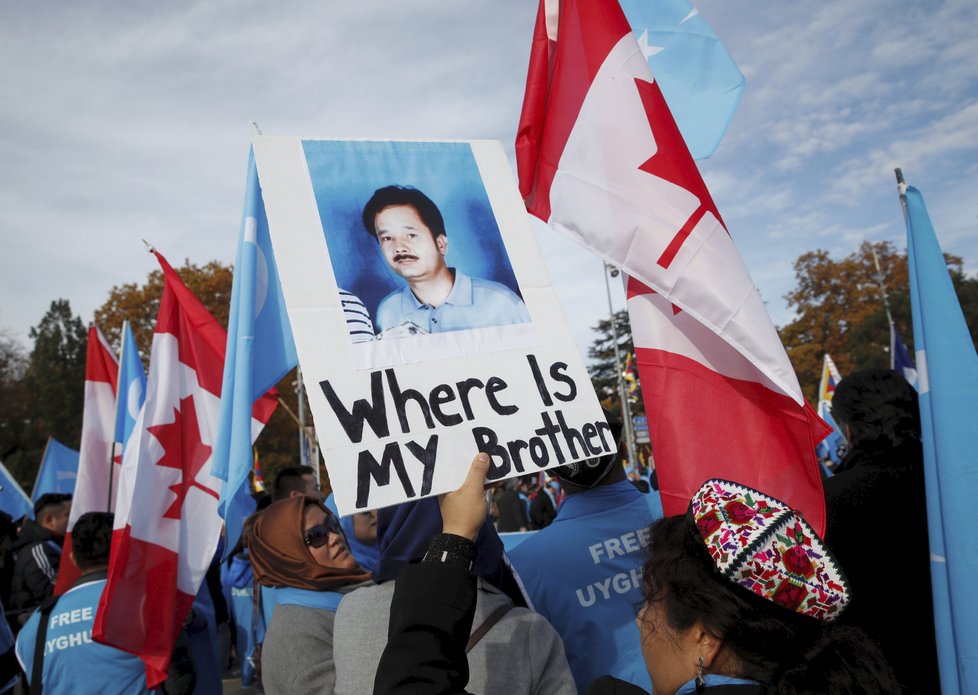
[[437, 299]]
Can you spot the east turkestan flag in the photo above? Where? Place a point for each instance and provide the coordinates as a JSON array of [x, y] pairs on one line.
[[97, 471], [601, 160], [947, 381], [167, 526]]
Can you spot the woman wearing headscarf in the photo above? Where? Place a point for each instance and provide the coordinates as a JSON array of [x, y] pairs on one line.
[[741, 598], [510, 650], [301, 560]]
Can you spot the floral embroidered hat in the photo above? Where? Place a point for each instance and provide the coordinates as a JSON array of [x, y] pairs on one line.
[[765, 546]]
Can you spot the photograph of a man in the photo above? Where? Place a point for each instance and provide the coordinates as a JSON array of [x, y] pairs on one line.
[[411, 235]]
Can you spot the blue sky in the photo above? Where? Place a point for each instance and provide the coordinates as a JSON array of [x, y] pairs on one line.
[[122, 121]]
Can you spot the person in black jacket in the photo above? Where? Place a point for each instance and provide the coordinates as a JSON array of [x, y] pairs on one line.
[[740, 595], [37, 552], [543, 507], [510, 508], [882, 472]]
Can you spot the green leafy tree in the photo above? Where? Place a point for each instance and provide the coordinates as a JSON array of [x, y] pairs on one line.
[[602, 368], [13, 401], [52, 392]]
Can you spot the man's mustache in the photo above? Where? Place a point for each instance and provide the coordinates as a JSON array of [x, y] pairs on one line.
[[404, 256]]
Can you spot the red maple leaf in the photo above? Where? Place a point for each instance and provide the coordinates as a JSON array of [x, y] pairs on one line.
[[183, 450], [673, 162]]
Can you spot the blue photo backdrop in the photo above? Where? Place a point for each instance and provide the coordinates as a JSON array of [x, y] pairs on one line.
[[345, 175]]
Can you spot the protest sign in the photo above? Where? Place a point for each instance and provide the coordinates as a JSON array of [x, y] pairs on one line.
[[424, 318]]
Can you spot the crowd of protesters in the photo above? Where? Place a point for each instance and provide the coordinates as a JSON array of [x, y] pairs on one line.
[[568, 583]]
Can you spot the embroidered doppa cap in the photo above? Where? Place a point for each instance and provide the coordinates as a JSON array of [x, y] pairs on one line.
[[765, 546]]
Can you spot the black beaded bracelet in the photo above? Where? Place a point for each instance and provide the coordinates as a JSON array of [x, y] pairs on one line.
[[450, 549]]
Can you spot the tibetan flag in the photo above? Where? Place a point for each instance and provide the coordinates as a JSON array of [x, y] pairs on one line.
[[97, 472], [166, 525], [698, 78], [257, 478], [834, 446], [947, 384], [602, 161], [631, 376], [260, 351], [58, 470], [830, 379]]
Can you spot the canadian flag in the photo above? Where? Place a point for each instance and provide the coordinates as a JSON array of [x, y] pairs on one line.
[[96, 460], [600, 159], [167, 526]]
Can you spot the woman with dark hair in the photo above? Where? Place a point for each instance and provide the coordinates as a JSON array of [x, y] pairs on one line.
[[301, 560], [741, 596], [881, 476], [740, 592]]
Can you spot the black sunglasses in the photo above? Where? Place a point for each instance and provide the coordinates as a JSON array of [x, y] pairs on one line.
[[316, 536]]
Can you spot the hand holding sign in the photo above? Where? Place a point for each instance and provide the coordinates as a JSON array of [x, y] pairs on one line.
[[464, 511]]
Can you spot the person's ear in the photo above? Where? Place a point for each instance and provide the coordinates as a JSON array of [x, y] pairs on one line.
[[441, 242], [704, 644]]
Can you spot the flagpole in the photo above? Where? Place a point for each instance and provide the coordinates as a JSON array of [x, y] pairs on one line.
[[310, 432], [118, 392], [625, 409], [300, 393]]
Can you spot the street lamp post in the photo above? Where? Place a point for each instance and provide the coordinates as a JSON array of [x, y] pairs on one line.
[[626, 415]]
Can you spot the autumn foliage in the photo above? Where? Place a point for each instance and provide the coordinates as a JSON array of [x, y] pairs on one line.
[[839, 309]]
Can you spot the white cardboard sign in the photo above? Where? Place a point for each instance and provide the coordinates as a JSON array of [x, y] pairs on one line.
[[424, 318]]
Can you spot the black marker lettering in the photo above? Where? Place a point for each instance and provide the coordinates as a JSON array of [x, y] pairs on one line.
[[373, 411]]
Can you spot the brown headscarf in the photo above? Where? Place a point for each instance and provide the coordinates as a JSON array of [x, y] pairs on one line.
[[280, 557]]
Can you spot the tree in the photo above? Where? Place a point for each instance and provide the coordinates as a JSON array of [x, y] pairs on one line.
[[13, 404], [211, 284], [48, 400], [839, 309], [603, 370]]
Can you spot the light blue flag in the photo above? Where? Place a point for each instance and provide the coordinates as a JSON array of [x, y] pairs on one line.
[[947, 374], [900, 361], [58, 471], [698, 78], [13, 499], [260, 351], [132, 387]]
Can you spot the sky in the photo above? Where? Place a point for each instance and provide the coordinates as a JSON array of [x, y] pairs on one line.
[[129, 121]]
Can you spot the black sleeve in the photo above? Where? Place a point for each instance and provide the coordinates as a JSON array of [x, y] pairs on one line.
[[431, 618], [38, 573]]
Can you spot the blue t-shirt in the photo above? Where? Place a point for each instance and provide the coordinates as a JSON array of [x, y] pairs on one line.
[[472, 303], [583, 573], [73, 663], [241, 603], [202, 636]]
